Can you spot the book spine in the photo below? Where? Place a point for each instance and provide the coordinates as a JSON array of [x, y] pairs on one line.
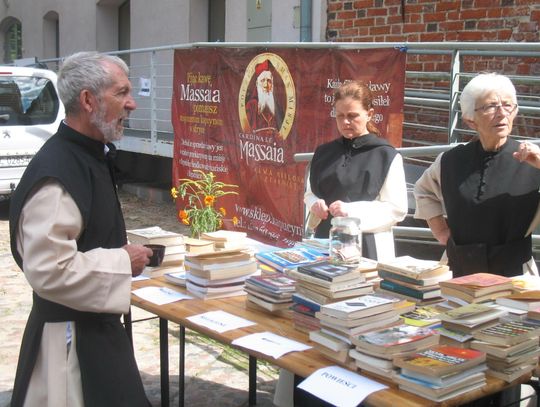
[[304, 301], [400, 277], [313, 273], [391, 286]]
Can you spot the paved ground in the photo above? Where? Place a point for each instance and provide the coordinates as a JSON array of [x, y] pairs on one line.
[[216, 375]]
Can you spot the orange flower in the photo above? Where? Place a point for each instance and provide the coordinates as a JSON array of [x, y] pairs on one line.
[[223, 211], [185, 221], [235, 220], [183, 215], [209, 200]]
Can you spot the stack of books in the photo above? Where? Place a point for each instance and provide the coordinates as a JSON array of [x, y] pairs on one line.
[[475, 288], [285, 260], [521, 301], [511, 347], [174, 248], [441, 372], [325, 282], [376, 350], [198, 246], [426, 316], [303, 313], [525, 282], [270, 292], [226, 239], [219, 274], [460, 324], [320, 244], [368, 268], [413, 279], [346, 319]]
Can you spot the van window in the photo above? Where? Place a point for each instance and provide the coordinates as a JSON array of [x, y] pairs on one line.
[[27, 101]]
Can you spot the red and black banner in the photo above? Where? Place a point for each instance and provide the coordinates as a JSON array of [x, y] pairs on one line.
[[243, 113]]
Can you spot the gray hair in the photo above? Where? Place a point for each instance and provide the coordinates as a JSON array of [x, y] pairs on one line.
[[85, 71], [479, 86]]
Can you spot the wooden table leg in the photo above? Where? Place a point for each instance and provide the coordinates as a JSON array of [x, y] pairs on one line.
[[252, 391], [164, 361], [182, 366]]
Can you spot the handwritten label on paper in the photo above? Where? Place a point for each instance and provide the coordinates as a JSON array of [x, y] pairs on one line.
[[270, 344], [160, 295], [339, 386], [220, 321]]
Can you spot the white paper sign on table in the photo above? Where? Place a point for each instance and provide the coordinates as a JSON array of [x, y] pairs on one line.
[[220, 321], [270, 344], [339, 386], [140, 277], [160, 295]]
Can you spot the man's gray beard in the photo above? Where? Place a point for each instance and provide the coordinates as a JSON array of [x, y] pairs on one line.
[[266, 100], [108, 130]]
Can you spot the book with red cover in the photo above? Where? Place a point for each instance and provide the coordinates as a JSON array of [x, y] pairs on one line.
[[441, 360], [478, 284]]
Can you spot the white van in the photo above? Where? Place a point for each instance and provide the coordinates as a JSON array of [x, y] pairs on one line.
[[30, 113]]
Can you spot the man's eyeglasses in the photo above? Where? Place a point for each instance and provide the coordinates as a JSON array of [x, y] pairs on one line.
[[492, 108]]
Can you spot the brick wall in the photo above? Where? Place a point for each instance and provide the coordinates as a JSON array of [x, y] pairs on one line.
[[442, 20]]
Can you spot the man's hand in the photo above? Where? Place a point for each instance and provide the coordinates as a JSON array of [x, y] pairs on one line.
[[139, 257], [337, 208], [320, 209]]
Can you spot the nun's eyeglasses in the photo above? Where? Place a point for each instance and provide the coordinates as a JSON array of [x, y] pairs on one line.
[[492, 108]]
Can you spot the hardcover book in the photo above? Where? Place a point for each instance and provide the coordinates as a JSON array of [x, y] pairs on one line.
[[441, 360]]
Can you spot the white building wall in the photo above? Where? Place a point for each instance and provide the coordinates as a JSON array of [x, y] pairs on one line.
[[235, 21], [93, 24], [283, 21]]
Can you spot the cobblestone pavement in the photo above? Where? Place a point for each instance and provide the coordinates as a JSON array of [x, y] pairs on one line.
[[215, 375]]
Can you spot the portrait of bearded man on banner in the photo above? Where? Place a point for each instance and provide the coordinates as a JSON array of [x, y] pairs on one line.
[[264, 113]]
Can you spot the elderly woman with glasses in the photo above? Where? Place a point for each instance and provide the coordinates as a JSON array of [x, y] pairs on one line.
[[480, 199]]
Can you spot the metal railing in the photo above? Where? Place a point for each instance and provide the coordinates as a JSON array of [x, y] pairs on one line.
[[432, 94]]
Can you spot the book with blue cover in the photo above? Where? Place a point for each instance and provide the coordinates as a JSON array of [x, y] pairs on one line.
[[289, 259]]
